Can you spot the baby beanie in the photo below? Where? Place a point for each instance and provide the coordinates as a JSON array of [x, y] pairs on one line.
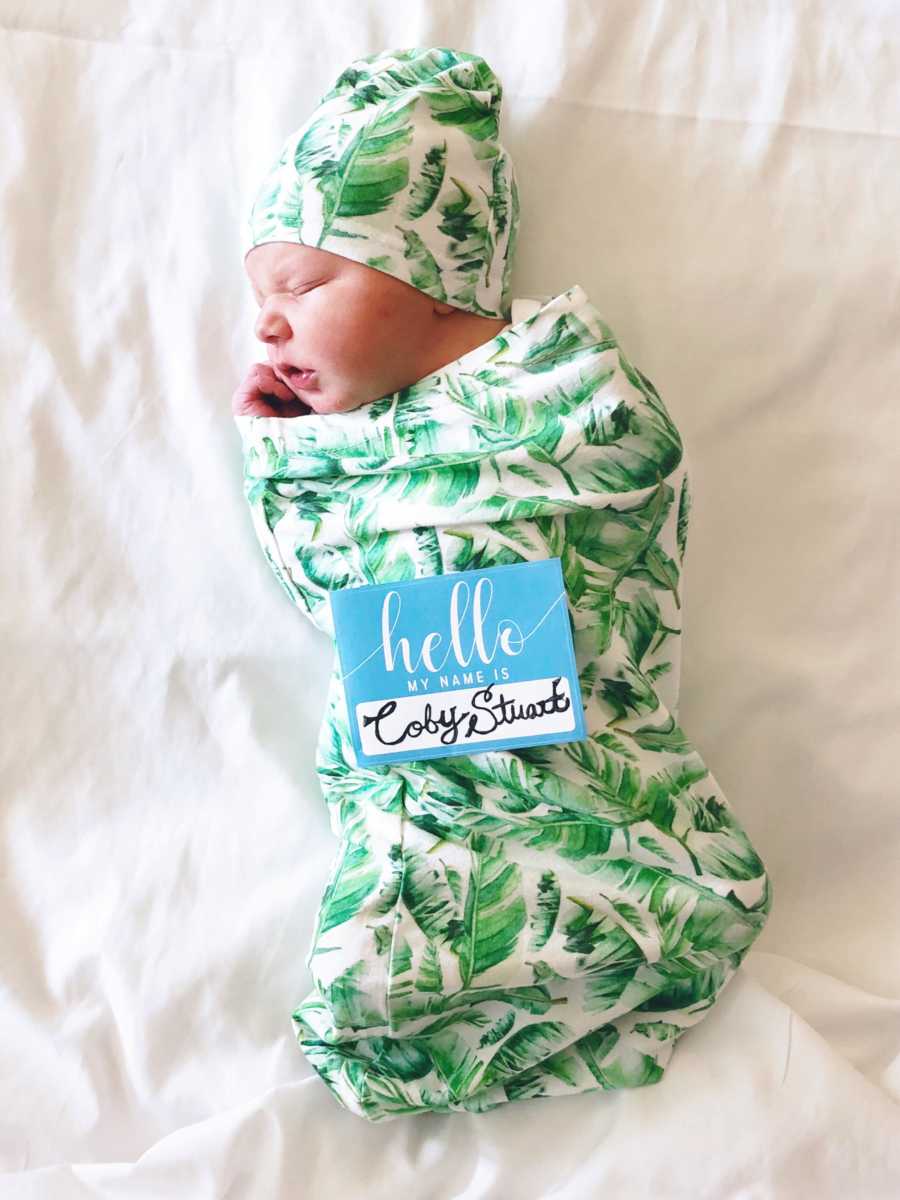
[[400, 168]]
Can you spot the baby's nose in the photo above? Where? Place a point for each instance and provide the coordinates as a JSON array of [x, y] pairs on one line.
[[266, 329], [271, 325]]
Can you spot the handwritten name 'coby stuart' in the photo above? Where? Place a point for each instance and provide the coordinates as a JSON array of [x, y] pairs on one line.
[[485, 716]]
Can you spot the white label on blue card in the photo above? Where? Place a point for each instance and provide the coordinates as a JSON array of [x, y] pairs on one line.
[[460, 663]]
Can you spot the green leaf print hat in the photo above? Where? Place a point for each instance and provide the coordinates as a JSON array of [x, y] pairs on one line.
[[400, 168]]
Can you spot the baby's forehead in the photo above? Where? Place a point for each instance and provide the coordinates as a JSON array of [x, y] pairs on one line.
[[272, 260]]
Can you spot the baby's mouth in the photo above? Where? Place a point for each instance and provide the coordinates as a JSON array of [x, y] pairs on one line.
[[298, 379]]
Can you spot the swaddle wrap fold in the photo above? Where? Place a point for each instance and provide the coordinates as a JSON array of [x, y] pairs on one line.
[[523, 923]]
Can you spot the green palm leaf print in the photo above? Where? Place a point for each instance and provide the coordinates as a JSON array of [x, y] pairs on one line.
[[463, 222], [525, 922], [493, 916], [498, 200], [524, 1048], [424, 190], [428, 897], [371, 170], [424, 272], [356, 877], [465, 108], [412, 66]]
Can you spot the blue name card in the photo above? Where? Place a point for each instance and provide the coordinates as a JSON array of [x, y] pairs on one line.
[[459, 663]]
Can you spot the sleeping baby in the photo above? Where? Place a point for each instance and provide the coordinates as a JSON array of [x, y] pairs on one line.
[[507, 924]]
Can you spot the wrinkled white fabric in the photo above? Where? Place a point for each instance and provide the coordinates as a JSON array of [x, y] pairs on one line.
[[723, 182]]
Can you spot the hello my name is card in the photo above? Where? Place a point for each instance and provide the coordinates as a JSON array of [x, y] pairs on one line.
[[460, 663]]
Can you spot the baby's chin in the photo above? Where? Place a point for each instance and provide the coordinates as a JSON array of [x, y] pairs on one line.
[[333, 405]]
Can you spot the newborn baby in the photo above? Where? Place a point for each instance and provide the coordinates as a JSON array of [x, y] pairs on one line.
[[340, 334], [507, 924]]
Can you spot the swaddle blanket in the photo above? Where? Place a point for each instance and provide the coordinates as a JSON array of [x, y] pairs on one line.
[[521, 923]]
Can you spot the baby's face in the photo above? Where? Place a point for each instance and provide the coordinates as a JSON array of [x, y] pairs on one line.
[[365, 334]]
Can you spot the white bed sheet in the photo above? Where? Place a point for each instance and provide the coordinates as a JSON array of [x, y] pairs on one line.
[[724, 182]]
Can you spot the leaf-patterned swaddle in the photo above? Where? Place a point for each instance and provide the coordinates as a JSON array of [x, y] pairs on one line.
[[512, 924]]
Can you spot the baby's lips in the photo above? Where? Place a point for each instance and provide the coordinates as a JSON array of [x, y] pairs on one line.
[[259, 395], [298, 379]]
